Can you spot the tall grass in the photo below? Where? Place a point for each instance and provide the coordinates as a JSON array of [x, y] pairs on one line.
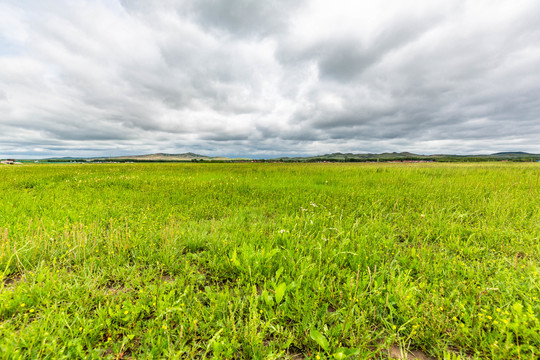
[[269, 260]]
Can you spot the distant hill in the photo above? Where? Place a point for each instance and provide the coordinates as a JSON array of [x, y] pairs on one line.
[[66, 158], [167, 157], [514, 154], [361, 157], [407, 156], [158, 157], [334, 157]]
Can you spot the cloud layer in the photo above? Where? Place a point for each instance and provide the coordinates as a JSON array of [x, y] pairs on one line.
[[259, 78]]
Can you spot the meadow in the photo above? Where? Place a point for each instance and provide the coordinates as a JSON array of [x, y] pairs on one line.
[[270, 261]]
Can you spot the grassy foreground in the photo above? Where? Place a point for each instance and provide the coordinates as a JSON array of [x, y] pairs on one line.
[[269, 261]]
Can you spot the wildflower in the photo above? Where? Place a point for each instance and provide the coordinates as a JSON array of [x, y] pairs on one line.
[[394, 327], [23, 304], [126, 312], [31, 310], [164, 327], [80, 329]]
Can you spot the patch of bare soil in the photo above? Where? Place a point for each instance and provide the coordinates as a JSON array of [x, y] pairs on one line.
[[116, 291], [167, 278], [395, 352], [295, 356], [115, 287], [12, 280]]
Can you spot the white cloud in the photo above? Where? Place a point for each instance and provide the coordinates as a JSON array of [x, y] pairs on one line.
[[250, 77]]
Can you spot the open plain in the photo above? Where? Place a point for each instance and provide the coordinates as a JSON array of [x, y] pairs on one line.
[[244, 261]]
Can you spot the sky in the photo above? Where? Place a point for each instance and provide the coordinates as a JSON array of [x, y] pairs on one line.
[[268, 78]]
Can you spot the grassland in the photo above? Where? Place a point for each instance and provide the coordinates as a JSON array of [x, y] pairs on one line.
[[269, 261]]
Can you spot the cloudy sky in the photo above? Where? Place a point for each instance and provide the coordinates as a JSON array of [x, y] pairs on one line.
[[266, 78]]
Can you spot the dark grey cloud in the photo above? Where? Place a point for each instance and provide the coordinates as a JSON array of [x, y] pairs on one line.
[[342, 57], [268, 78], [245, 17]]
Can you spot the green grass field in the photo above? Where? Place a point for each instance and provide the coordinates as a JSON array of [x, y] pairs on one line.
[[255, 261]]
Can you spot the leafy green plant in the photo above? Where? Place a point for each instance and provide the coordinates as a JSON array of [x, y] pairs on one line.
[[319, 338], [280, 292]]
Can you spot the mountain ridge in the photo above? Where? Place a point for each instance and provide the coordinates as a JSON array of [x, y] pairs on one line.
[[333, 157]]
